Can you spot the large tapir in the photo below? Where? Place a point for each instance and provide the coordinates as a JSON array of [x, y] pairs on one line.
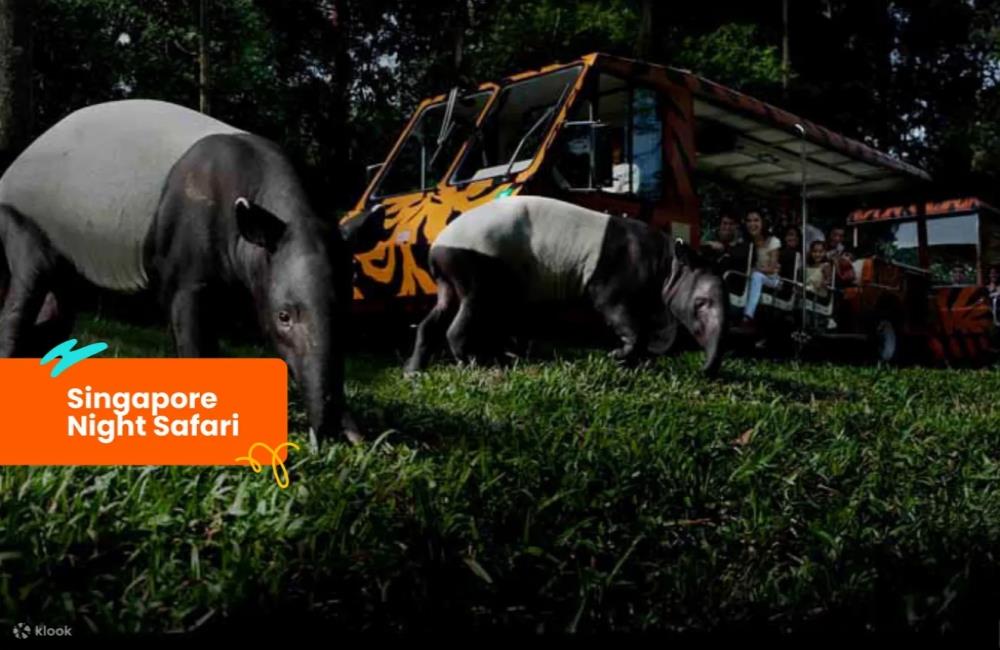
[[502, 256], [146, 195]]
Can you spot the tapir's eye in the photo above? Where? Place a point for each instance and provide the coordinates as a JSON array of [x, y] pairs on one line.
[[284, 317], [700, 303]]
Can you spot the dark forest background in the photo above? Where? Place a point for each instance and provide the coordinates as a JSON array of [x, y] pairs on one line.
[[334, 81]]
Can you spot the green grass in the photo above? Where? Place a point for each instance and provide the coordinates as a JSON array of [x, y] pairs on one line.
[[556, 495]]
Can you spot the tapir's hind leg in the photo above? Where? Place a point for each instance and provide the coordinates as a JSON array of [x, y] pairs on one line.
[[34, 277], [484, 288], [54, 323], [430, 334]]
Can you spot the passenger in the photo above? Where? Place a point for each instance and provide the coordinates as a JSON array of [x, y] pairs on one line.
[[840, 257], [625, 175], [835, 246], [765, 263], [818, 270], [993, 287], [793, 239], [789, 252], [779, 220], [728, 235]]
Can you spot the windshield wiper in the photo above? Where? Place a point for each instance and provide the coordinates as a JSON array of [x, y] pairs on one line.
[[548, 113], [447, 124], [441, 143]]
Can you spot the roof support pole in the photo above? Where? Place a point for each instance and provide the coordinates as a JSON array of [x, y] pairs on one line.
[[805, 222]]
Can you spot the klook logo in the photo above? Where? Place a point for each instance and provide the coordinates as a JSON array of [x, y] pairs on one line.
[[26, 631]]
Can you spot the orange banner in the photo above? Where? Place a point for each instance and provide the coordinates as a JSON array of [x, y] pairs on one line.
[[143, 412]]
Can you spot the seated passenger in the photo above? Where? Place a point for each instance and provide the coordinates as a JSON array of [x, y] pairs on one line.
[[765, 263], [835, 246], [840, 256], [729, 250], [818, 270], [727, 236], [624, 174], [993, 283], [993, 287], [789, 252]]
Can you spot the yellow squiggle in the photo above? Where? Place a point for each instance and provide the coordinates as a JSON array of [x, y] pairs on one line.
[[276, 462]]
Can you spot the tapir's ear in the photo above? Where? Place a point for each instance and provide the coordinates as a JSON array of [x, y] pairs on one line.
[[678, 261], [683, 253], [257, 225]]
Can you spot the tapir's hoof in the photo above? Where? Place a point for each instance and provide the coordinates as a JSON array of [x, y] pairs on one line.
[[411, 370], [624, 357]]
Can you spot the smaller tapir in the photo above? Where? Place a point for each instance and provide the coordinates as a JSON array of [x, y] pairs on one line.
[[512, 252]]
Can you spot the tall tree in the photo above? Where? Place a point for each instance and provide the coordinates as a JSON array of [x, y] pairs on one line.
[[15, 77], [644, 42], [203, 101]]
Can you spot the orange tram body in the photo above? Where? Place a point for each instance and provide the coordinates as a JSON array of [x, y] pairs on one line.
[[639, 140]]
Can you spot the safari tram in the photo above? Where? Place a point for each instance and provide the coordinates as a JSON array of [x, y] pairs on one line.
[[639, 140]]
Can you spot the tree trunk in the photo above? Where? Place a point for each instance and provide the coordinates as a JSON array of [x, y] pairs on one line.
[[203, 102], [644, 42], [340, 113], [465, 19], [15, 77]]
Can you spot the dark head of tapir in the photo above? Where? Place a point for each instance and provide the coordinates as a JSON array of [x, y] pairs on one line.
[[302, 306], [695, 295], [295, 264]]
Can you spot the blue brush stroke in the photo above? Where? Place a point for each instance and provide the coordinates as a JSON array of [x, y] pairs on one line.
[[70, 357]]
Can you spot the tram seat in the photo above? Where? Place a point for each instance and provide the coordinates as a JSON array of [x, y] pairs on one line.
[[782, 297]]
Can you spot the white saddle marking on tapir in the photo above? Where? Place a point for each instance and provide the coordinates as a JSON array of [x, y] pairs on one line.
[[93, 181], [552, 245]]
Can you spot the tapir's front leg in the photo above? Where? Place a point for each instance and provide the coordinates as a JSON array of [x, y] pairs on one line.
[[31, 267], [628, 329], [662, 332], [628, 326], [190, 322], [21, 306]]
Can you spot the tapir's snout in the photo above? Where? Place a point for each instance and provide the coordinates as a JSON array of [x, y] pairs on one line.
[[698, 299], [710, 314]]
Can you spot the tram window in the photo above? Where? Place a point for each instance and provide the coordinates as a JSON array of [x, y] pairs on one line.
[[514, 129], [415, 168], [989, 230], [953, 243], [895, 241], [630, 120]]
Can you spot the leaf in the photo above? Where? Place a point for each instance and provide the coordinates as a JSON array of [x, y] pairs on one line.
[[744, 438], [478, 570]]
